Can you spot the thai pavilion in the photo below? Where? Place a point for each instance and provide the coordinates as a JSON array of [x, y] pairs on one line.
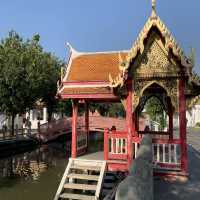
[[154, 66]]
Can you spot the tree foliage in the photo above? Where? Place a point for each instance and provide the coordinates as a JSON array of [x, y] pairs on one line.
[[108, 109], [64, 107], [27, 74], [155, 110]]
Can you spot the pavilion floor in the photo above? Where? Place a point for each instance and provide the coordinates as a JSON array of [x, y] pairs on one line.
[[93, 156]]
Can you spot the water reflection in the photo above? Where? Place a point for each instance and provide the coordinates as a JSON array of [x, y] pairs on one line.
[[42, 165]]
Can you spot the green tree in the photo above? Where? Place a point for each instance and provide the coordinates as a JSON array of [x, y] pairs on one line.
[[108, 109], [27, 74], [64, 107], [156, 112], [47, 81]]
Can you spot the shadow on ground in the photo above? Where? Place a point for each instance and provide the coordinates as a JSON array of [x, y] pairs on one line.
[[190, 190]]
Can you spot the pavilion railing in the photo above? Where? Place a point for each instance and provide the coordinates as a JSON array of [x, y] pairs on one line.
[[166, 153], [81, 140], [136, 145], [155, 134], [115, 145]]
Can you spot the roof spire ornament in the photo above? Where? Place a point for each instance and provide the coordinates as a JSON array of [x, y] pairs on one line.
[[153, 4]]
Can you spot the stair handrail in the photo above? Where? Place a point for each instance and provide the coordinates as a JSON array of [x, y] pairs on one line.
[[60, 188], [101, 176]]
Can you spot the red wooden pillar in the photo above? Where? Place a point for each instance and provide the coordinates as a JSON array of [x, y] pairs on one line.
[[134, 118], [182, 126], [74, 128], [137, 122], [170, 121], [87, 122], [106, 143], [129, 121]]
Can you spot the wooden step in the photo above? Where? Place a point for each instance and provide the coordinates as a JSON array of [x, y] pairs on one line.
[[83, 167], [80, 186], [76, 196], [83, 177]]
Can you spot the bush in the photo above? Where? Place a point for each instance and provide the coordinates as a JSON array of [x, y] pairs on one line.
[[198, 124]]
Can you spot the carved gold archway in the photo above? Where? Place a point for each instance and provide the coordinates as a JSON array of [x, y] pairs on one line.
[[169, 86]]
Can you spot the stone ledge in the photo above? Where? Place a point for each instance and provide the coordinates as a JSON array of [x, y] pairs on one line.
[[139, 184]]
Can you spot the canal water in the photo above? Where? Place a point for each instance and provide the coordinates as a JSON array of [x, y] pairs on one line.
[[36, 174]]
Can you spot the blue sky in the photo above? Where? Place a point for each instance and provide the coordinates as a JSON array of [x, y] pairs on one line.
[[98, 25]]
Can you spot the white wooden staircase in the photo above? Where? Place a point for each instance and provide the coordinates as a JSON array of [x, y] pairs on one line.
[[82, 180]]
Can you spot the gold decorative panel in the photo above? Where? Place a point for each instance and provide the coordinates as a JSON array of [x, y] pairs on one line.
[[169, 85], [155, 61]]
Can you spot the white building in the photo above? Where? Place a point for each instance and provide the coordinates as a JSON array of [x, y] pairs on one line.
[[2, 120], [33, 116], [193, 116], [36, 115]]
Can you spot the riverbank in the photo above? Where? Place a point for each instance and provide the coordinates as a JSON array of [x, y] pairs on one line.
[[14, 146]]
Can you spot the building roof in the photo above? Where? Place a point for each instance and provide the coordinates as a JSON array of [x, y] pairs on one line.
[[93, 66], [153, 21], [95, 73], [88, 73]]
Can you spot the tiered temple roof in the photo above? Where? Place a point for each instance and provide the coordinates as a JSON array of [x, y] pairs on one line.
[[100, 72], [88, 73], [94, 66]]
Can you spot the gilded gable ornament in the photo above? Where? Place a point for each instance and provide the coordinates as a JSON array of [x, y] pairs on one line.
[[170, 45], [154, 61]]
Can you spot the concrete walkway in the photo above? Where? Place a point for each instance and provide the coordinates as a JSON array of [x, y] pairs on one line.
[[189, 190]]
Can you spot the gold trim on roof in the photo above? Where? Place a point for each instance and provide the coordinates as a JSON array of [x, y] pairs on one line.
[[195, 78], [138, 46], [119, 79], [193, 102]]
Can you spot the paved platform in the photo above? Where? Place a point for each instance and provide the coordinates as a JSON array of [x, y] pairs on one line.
[[190, 190], [93, 156]]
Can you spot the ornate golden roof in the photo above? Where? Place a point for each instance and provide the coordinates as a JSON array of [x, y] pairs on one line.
[[193, 101], [194, 96], [194, 78], [138, 46]]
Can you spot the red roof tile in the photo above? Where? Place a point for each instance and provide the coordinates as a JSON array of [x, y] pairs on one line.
[[95, 67]]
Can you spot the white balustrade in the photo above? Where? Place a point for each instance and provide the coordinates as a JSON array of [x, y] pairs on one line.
[[118, 146], [136, 147], [164, 154]]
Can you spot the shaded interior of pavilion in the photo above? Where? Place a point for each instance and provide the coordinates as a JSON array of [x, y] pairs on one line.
[[110, 144]]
